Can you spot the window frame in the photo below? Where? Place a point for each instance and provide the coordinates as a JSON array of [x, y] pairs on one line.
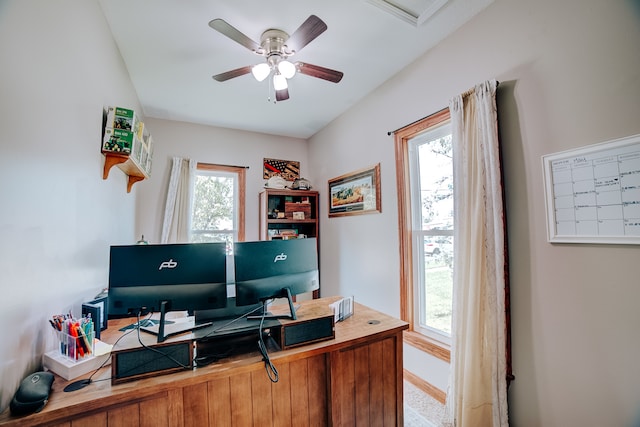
[[405, 226], [241, 196], [419, 234]]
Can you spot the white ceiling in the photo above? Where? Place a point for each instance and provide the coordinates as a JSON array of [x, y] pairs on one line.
[[171, 54]]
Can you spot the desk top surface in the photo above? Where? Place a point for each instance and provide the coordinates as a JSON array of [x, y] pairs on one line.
[[365, 324]]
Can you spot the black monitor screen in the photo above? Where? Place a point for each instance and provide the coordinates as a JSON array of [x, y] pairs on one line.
[[272, 268], [183, 276]]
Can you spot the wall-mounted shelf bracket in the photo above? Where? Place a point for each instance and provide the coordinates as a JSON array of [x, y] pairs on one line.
[[126, 164]]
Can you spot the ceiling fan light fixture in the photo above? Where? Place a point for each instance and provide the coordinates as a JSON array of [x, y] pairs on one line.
[[276, 46], [279, 82], [287, 69], [261, 71]]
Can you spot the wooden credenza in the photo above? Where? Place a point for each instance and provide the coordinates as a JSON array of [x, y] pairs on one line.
[[354, 379]]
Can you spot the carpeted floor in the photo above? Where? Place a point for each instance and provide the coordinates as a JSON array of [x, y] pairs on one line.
[[420, 409]]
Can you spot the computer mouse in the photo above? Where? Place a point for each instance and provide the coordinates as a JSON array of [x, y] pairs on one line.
[[32, 394]]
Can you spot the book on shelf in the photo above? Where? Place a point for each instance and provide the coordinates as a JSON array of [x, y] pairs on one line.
[[283, 234], [284, 237]]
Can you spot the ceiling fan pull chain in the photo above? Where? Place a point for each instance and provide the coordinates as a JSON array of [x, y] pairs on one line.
[[270, 91]]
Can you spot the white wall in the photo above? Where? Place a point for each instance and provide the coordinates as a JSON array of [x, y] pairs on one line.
[[570, 77], [58, 217], [209, 145]]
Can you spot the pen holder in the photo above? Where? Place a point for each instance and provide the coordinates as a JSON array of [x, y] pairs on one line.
[[76, 347]]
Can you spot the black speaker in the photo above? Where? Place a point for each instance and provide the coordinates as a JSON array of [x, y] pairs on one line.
[[143, 362], [303, 332]]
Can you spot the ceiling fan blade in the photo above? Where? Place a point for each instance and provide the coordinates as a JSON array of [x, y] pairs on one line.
[[234, 34], [222, 77], [319, 72], [309, 30], [282, 95]]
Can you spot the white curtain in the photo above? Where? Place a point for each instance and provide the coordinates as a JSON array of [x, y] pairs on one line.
[[478, 384], [176, 225]]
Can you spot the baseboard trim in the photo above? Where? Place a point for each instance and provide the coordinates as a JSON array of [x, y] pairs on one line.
[[423, 385]]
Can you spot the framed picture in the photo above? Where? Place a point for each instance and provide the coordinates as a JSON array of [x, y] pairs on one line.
[[592, 194], [287, 169], [355, 193]]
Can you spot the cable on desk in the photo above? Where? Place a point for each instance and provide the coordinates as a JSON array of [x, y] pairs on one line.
[[210, 358], [272, 372], [77, 385], [230, 322], [80, 384], [162, 353]]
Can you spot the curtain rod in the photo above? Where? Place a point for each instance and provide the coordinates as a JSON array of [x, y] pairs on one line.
[[464, 94], [470, 91], [225, 166]]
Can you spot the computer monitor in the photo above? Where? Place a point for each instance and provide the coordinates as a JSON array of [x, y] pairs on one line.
[[161, 278], [275, 269]]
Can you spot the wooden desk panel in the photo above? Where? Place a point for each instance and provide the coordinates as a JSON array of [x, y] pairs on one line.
[[355, 379]]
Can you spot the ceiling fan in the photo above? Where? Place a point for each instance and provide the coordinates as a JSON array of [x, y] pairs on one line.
[[276, 46]]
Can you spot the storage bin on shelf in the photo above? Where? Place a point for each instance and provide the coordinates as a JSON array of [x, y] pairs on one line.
[[291, 207]]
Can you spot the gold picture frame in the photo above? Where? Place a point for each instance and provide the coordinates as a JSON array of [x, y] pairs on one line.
[[355, 193]]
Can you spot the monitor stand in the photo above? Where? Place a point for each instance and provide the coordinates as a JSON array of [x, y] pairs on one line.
[[162, 336], [285, 293], [163, 313]]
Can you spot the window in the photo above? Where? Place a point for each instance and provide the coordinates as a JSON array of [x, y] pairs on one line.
[[425, 197], [431, 182], [217, 213]]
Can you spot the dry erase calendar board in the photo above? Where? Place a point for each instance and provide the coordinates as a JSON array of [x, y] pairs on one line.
[[592, 194]]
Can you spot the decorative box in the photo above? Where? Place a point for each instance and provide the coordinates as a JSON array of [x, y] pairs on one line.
[[290, 208]]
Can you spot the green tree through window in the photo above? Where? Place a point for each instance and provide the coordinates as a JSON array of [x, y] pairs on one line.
[[218, 204]]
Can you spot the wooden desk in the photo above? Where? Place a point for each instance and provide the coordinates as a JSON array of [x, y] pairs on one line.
[[355, 379]]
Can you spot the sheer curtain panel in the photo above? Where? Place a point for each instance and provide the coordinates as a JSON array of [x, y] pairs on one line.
[[478, 384], [177, 212]]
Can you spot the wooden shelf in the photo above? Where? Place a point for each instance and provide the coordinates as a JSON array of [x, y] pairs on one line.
[[272, 200], [125, 163], [126, 143], [279, 200], [291, 221]]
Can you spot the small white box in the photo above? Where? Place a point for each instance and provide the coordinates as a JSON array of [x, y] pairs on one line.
[[69, 369]]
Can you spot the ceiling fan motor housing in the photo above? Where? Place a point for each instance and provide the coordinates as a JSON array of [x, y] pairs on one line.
[[273, 43]]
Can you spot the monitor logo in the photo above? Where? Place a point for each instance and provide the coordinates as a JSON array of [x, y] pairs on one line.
[[168, 264], [281, 257]]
